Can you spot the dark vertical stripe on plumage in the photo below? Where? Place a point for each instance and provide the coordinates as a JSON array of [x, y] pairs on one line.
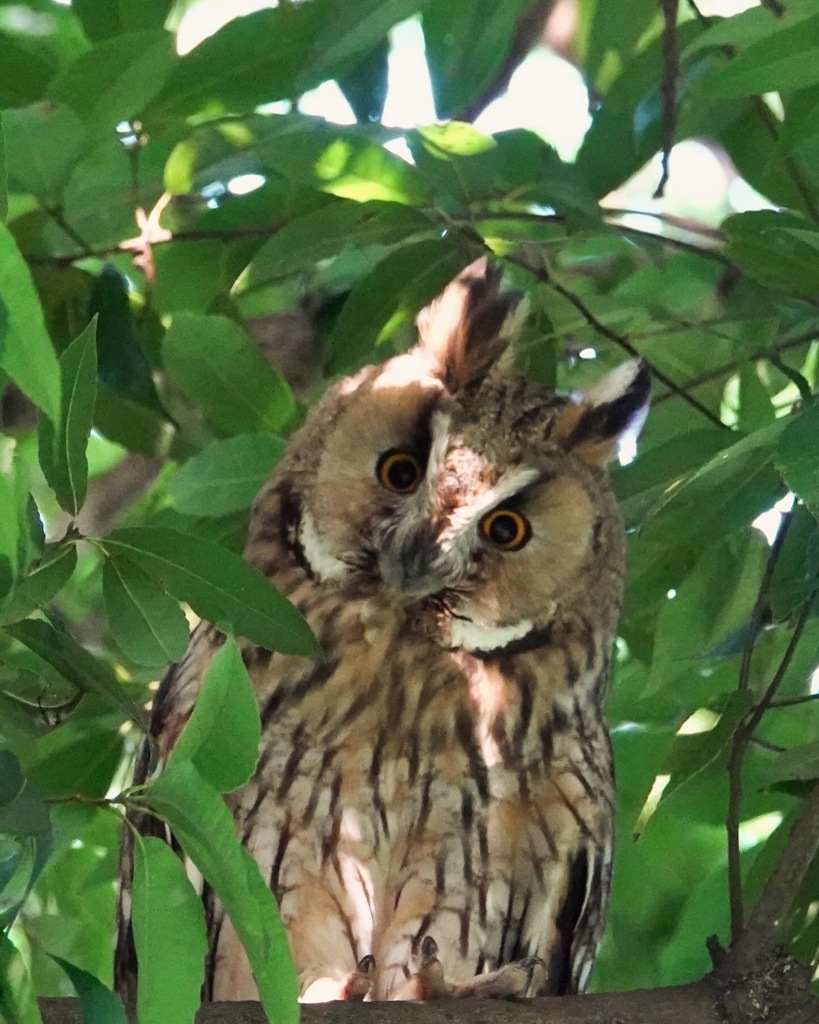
[[291, 765], [520, 948], [374, 777], [507, 922], [467, 821], [560, 969], [483, 885], [330, 841], [284, 839], [465, 732], [213, 926], [582, 824], [440, 869], [319, 785]]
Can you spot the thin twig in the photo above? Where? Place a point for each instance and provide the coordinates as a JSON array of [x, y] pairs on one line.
[[765, 115], [789, 702], [762, 706], [763, 353], [224, 234], [673, 220], [668, 88], [56, 214], [761, 936], [546, 278]]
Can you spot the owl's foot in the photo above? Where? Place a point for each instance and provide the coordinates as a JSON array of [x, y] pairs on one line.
[[522, 979], [354, 987]]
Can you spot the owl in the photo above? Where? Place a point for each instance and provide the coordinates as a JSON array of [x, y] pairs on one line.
[[433, 805]]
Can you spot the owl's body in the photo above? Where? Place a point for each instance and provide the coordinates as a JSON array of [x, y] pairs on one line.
[[443, 770]]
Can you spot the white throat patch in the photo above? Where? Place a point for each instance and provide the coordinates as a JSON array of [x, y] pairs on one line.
[[323, 562], [472, 636]]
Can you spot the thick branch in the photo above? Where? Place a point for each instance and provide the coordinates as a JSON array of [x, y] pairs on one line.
[[761, 934], [686, 1004]]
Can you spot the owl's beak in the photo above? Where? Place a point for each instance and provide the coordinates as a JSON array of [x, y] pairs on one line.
[[412, 564]]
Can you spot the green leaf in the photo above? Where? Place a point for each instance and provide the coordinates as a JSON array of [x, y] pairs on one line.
[[801, 762], [217, 365], [226, 476], [797, 457], [100, 21], [78, 757], [63, 446], [783, 61], [44, 143], [22, 812], [169, 935], [123, 365], [218, 585], [462, 49], [4, 183], [26, 354], [9, 538], [201, 822], [25, 69], [278, 54], [148, 624], [18, 1003], [98, 1003], [116, 79], [689, 755], [222, 735], [40, 585], [773, 248], [391, 295], [75, 664], [323, 233], [716, 598], [136, 426]]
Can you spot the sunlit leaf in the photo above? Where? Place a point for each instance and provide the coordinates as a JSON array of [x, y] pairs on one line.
[[63, 445], [116, 78], [325, 232], [36, 589], [202, 823], [393, 294], [99, 1004], [74, 664], [222, 735], [226, 476], [169, 929], [147, 623], [218, 585], [796, 457], [217, 365], [18, 1004], [26, 354]]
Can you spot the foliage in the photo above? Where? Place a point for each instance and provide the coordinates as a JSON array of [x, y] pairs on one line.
[[146, 351]]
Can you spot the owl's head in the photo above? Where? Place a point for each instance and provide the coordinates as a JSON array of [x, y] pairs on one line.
[[457, 491]]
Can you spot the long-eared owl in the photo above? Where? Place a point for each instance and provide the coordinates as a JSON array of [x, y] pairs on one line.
[[433, 805]]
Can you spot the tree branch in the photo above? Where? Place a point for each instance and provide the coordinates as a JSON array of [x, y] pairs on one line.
[[543, 275], [668, 88], [761, 936]]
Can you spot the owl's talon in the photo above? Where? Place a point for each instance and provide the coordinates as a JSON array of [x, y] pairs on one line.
[[429, 950]]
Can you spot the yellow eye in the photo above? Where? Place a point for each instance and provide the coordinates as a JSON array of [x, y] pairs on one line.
[[399, 472], [506, 529]]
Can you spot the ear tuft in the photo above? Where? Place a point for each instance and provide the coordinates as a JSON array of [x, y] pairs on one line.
[[467, 328], [610, 412]]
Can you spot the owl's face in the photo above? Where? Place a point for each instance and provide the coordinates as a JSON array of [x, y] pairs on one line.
[[475, 504]]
